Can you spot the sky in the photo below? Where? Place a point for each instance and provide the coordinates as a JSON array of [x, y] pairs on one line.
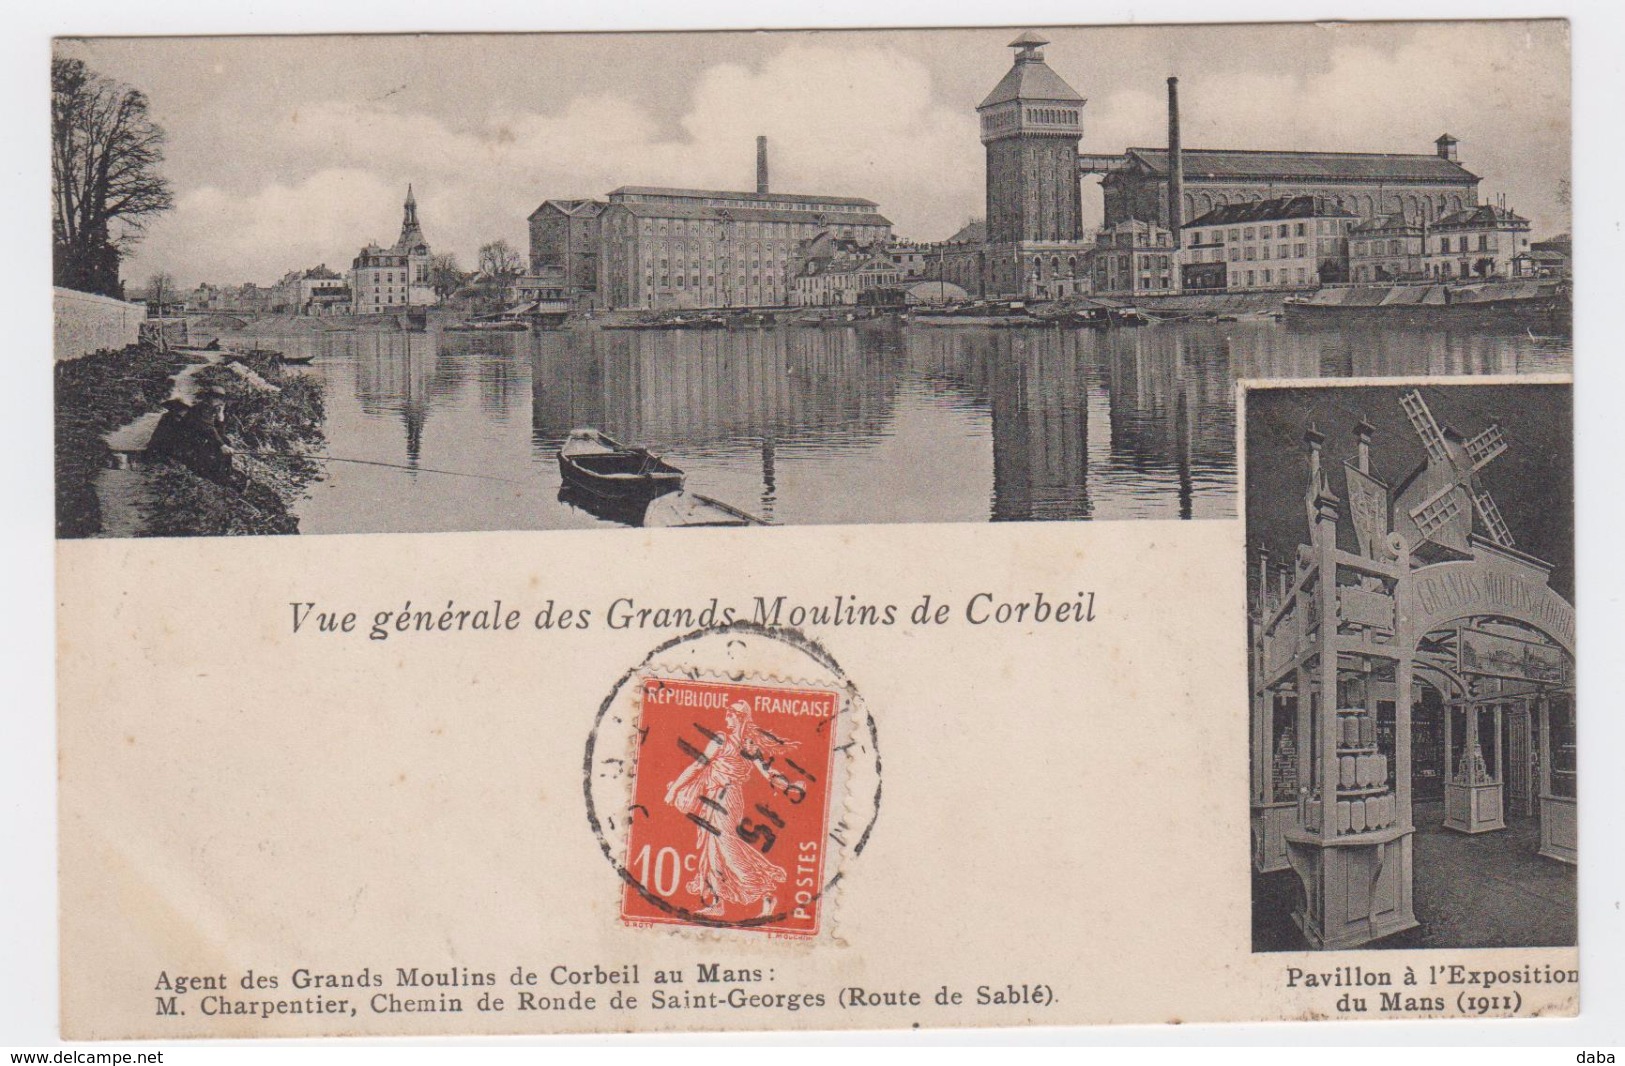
[[285, 152]]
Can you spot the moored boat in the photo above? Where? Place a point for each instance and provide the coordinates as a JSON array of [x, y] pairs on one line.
[[688, 509], [671, 510], [593, 462], [487, 326], [1519, 304]]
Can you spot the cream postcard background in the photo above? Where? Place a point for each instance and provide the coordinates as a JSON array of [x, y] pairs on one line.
[[1063, 804], [29, 784]]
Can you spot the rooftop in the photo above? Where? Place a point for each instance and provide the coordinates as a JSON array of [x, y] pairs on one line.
[[1482, 215], [715, 194], [856, 265], [576, 208], [642, 209], [1244, 164], [1391, 223], [1280, 208], [1030, 78]]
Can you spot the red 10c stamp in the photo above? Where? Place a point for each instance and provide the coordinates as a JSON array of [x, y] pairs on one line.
[[730, 805]]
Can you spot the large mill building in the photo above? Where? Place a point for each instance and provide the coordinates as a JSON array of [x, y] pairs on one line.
[[1032, 126], [657, 248]]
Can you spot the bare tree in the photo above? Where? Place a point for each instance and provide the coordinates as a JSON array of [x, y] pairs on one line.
[[105, 185], [445, 275], [160, 291], [499, 261]]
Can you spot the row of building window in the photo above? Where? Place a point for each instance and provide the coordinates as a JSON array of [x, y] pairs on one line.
[[1388, 247], [1285, 276], [755, 259], [1486, 242], [1323, 227], [1059, 116], [1299, 250]]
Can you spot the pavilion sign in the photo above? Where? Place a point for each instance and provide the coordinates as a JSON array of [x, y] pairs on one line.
[[1446, 592]]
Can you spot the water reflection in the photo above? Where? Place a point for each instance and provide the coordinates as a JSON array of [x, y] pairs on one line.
[[835, 425], [403, 375], [714, 388]]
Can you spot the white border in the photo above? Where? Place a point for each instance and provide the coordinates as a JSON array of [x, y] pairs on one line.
[[28, 993]]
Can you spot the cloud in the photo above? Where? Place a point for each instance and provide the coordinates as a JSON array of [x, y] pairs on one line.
[[227, 238], [1462, 79], [840, 121], [318, 178]]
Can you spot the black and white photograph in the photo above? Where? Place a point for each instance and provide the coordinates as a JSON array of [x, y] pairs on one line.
[[580, 281], [1134, 562], [1411, 651]]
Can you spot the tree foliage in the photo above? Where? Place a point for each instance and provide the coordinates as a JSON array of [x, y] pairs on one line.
[[446, 276], [500, 262], [161, 290], [105, 184]]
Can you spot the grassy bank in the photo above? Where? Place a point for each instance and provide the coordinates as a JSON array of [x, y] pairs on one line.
[[270, 431], [96, 394]]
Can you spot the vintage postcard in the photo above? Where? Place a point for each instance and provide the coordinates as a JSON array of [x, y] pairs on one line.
[[814, 530]]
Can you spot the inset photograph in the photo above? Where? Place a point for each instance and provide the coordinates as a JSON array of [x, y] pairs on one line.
[[1411, 656]]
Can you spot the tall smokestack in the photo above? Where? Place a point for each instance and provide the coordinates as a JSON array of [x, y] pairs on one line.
[[1176, 164], [761, 165]]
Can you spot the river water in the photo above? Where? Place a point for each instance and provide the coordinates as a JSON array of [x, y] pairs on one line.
[[808, 425]]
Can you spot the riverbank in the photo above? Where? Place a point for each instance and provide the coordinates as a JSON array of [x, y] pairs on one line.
[[96, 394], [273, 421], [226, 328]]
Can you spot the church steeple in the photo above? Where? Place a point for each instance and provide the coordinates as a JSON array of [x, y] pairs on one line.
[[411, 232]]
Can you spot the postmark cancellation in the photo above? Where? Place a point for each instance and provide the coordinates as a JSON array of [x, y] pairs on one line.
[[734, 799]]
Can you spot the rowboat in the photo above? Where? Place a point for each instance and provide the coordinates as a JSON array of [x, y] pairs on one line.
[[671, 510], [687, 509], [595, 463]]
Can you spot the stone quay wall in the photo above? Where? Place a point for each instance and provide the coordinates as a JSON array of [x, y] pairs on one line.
[[87, 323]]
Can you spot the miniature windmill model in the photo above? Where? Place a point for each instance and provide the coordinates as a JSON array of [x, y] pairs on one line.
[[1451, 479]]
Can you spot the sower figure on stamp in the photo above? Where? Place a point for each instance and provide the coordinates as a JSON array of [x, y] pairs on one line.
[[711, 791]]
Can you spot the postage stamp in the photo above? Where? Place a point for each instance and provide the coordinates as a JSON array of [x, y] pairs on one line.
[[733, 781], [730, 780]]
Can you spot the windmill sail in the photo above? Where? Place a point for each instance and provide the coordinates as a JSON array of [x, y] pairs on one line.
[[1437, 511], [1444, 514], [1486, 446], [1494, 524], [1416, 409]]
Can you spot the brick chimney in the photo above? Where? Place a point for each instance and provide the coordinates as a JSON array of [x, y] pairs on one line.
[[761, 165], [1176, 165]]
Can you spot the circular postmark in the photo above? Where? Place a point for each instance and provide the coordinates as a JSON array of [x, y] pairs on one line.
[[730, 780]]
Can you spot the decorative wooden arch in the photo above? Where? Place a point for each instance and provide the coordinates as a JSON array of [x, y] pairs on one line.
[[1494, 584], [1341, 628]]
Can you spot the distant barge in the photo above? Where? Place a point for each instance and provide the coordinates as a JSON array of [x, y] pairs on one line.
[[1520, 304]]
